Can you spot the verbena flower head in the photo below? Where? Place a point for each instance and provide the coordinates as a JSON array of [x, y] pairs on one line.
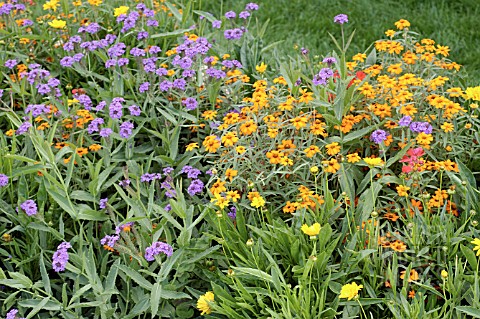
[[341, 18], [157, 248], [3, 180], [405, 121], [29, 207], [330, 60], [378, 136], [61, 257]]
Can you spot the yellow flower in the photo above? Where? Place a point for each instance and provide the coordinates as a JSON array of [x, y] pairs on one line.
[[402, 190], [447, 127], [444, 274], [240, 149], [311, 230], [231, 173], [261, 68], [52, 4], [350, 291], [473, 93], [353, 158], [389, 33], [203, 303], [57, 24], [333, 148], [372, 162], [192, 146], [401, 24], [120, 10], [258, 202], [476, 242], [95, 3]]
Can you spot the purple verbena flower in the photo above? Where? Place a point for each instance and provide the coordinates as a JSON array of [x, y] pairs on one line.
[[3, 180], [230, 15], [157, 248], [103, 203], [126, 129], [340, 19], [60, 257], [405, 121], [29, 207], [378, 136]]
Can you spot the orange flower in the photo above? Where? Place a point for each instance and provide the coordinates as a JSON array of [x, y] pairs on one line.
[[248, 127], [82, 151], [211, 143], [413, 275], [331, 166], [231, 173], [290, 207], [311, 151], [402, 190], [399, 246], [95, 147], [333, 148]]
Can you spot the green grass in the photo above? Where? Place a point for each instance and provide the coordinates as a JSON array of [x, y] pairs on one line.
[[306, 23]]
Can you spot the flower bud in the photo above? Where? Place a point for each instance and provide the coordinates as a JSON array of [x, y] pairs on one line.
[[474, 223], [314, 170], [374, 214], [249, 243], [444, 274]]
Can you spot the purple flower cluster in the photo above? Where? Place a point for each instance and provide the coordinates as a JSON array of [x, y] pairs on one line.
[[378, 136], [60, 257], [148, 177], [92, 28], [232, 213], [103, 203], [12, 314], [329, 60], [109, 241], [421, 127], [233, 34], [94, 125], [190, 171], [115, 108], [29, 207], [23, 128], [126, 129], [322, 77], [157, 248], [11, 63], [144, 87], [190, 103], [3, 180], [134, 110], [251, 6], [37, 109], [405, 121], [196, 187], [341, 18]]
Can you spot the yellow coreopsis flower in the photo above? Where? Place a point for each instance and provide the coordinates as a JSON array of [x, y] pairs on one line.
[[120, 10], [350, 291], [476, 242], [203, 303], [258, 202], [311, 231], [52, 4], [57, 24], [95, 3], [372, 162], [261, 68], [192, 146], [473, 93]]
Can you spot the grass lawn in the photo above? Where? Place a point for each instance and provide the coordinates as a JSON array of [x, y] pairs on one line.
[[306, 23]]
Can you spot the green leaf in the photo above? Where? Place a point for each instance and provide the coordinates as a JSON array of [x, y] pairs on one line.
[[155, 298], [475, 313], [469, 255], [136, 276], [44, 274], [38, 307]]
